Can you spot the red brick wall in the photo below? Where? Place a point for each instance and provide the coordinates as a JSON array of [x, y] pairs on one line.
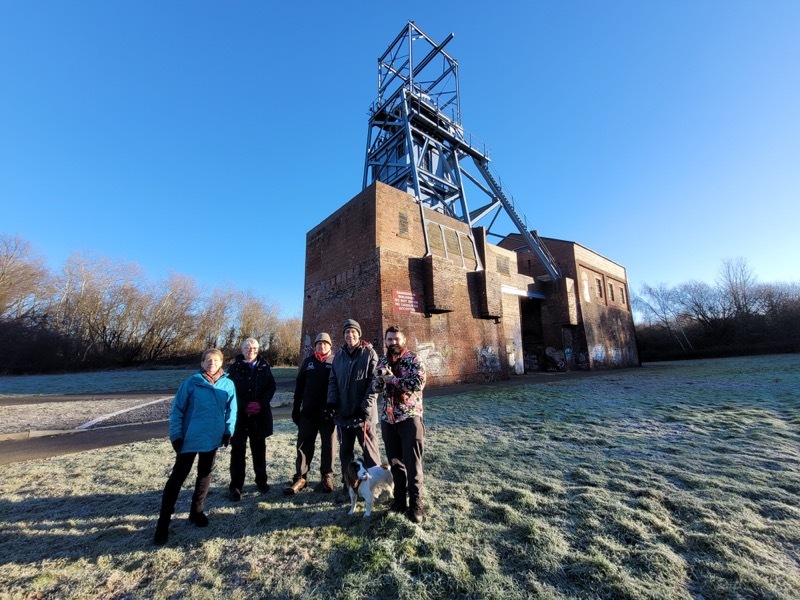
[[367, 261]]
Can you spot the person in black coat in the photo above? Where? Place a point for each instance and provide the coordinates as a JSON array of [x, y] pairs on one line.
[[255, 387], [312, 419]]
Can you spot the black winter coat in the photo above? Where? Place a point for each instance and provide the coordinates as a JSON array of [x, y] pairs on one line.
[[311, 388], [253, 385]]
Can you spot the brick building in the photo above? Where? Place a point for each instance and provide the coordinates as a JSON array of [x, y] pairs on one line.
[[472, 310]]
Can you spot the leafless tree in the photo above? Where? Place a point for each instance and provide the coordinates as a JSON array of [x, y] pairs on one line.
[[256, 317], [661, 307], [24, 280]]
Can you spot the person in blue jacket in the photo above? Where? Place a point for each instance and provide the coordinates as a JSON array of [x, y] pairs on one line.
[[202, 419]]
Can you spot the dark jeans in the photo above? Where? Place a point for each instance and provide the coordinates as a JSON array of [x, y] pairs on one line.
[[405, 442], [307, 432], [180, 471], [369, 445], [258, 451]]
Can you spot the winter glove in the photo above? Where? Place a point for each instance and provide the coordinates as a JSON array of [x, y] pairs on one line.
[[226, 439], [327, 413], [177, 445], [253, 408], [296, 417]]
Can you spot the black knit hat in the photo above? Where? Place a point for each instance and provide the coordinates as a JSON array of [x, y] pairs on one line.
[[352, 324]]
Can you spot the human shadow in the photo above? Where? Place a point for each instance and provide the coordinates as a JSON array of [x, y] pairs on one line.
[[90, 526]]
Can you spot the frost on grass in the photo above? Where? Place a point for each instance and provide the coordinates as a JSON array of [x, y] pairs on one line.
[[671, 481]]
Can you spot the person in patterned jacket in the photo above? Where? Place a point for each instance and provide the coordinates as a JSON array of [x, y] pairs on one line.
[[400, 379]]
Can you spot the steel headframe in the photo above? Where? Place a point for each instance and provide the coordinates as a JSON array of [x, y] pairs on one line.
[[416, 142]]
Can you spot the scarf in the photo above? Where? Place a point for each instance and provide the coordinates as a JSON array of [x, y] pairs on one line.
[[213, 378]]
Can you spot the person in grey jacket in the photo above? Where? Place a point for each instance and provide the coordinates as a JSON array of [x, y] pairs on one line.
[[201, 420], [351, 399]]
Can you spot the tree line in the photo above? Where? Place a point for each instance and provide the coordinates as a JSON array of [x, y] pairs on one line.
[[98, 313], [736, 315]]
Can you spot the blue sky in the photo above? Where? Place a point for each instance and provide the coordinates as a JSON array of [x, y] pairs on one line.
[[207, 138]]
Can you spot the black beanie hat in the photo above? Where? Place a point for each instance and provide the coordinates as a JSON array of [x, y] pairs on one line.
[[351, 324]]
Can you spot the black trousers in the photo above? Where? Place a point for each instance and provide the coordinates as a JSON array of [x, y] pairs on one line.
[[180, 471], [258, 452], [368, 443], [405, 442], [307, 432]]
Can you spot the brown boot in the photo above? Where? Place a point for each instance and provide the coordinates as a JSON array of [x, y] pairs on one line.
[[415, 513], [326, 485], [299, 484]]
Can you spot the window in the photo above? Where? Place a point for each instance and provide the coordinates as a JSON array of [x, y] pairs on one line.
[[622, 294], [403, 225], [610, 291], [503, 265], [599, 287], [435, 238]]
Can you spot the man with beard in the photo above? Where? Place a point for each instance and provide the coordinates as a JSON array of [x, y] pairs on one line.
[[400, 379], [352, 400]]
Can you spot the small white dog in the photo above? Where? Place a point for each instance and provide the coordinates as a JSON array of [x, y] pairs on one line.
[[368, 483]]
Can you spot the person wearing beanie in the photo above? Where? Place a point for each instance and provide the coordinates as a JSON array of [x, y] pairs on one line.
[[351, 399], [311, 418]]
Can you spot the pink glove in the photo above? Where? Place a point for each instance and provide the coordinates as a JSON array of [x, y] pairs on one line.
[[253, 409]]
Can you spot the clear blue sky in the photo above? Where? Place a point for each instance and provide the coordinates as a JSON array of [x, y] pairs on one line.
[[207, 138]]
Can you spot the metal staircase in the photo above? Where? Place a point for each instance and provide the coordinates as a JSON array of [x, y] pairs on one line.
[[531, 237]]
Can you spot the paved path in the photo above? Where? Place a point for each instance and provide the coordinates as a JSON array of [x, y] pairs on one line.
[[41, 445]]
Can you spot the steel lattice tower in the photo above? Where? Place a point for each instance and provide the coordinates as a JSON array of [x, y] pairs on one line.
[[416, 142]]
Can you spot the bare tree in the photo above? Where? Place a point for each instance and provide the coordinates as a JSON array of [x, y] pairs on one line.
[[661, 306], [256, 317], [737, 280], [170, 317], [24, 280], [215, 321], [285, 345], [707, 306]]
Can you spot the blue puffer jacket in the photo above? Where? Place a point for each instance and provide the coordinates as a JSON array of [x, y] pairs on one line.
[[202, 413]]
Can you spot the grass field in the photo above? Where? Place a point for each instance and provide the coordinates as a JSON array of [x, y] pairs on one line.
[[676, 480], [105, 382]]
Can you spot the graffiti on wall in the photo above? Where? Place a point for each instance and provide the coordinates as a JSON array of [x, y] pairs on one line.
[[488, 359], [611, 356], [435, 359], [556, 360]]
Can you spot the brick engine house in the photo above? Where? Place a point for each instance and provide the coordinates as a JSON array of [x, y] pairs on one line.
[[408, 251]]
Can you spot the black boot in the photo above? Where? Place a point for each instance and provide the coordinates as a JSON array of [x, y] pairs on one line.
[[162, 531], [415, 513], [199, 518]]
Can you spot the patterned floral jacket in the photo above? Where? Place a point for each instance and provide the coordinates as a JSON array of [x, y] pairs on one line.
[[401, 399]]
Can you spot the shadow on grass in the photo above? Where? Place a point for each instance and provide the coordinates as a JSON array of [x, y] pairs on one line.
[[87, 527]]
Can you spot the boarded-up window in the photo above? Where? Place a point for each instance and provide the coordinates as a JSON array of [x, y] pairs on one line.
[[403, 225], [435, 238], [466, 246], [451, 240], [503, 265]]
